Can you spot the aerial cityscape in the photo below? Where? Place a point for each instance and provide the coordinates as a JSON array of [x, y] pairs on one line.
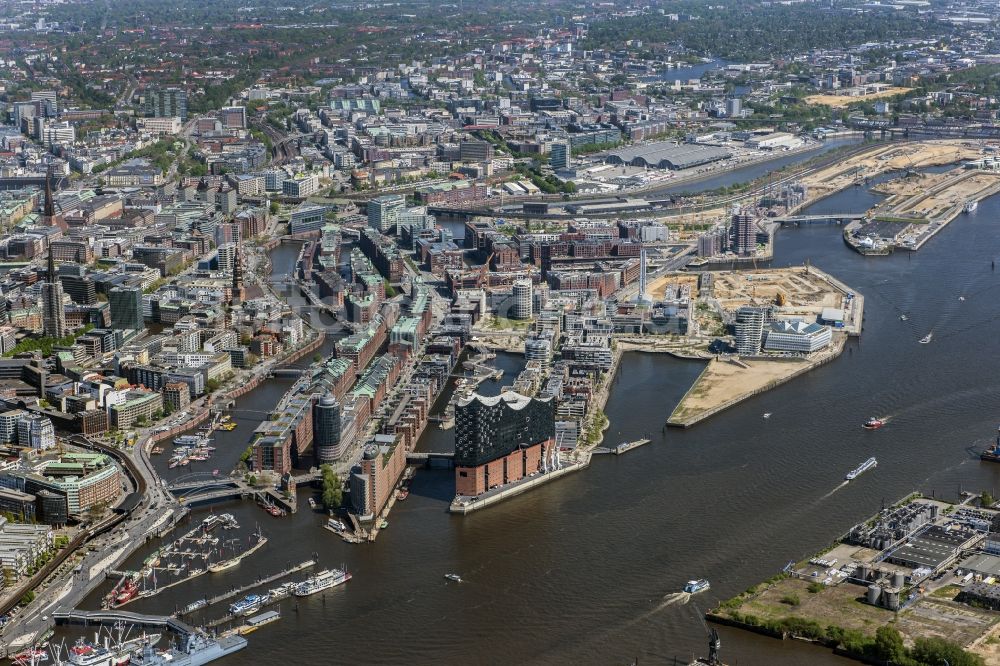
[[499, 333]]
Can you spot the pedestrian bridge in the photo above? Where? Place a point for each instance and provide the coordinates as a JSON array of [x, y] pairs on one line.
[[110, 617]]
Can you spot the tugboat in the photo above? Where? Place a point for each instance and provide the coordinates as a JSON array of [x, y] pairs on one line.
[[992, 454], [874, 423], [127, 593], [696, 586]]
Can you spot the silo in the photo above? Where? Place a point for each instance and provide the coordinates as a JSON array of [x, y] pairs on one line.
[[874, 591]]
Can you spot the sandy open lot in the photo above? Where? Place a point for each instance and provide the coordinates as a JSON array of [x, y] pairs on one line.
[[805, 293], [725, 381], [933, 194], [889, 158], [840, 101], [657, 286]]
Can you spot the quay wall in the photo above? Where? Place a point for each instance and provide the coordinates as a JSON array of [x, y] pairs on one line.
[[517, 489]]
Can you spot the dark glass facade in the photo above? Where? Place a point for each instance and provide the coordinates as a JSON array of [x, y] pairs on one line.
[[490, 428]]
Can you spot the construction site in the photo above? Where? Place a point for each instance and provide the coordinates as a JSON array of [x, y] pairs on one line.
[[925, 203], [798, 293], [909, 157]]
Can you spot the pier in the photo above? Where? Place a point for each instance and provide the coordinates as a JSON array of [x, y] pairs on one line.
[[269, 601], [625, 447], [618, 450], [236, 591]]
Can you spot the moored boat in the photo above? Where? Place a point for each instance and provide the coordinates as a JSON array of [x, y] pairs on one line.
[[324, 580], [248, 604]]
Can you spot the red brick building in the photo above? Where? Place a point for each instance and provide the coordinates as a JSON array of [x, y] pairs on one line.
[[500, 440]]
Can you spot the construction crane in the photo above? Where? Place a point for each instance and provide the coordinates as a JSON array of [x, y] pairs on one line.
[[484, 270]]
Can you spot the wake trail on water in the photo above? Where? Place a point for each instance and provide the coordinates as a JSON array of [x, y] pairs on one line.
[[671, 599], [829, 494]]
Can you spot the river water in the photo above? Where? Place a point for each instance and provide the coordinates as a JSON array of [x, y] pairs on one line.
[[579, 571]]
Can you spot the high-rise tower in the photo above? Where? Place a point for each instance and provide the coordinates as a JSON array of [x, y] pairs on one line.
[[53, 311], [238, 292]]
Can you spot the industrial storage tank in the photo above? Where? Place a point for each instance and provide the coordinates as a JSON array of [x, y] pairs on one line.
[[874, 591], [890, 599], [898, 579], [864, 572]]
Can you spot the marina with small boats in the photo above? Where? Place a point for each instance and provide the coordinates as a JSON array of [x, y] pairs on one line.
[[190, 448], [193, 554]]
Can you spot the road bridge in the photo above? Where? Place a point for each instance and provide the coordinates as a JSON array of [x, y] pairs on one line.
[[829, 218], [287, 372], [431, 459]]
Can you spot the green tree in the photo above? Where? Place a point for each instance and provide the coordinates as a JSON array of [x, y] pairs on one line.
[[888, 645], [933, 651], [333, 493], [986, 499]]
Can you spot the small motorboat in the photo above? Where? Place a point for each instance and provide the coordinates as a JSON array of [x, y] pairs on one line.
[[961, 298], [927, 338], [903, 317], [874, 423], [696, 586], [454, 577], [767, 415]]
